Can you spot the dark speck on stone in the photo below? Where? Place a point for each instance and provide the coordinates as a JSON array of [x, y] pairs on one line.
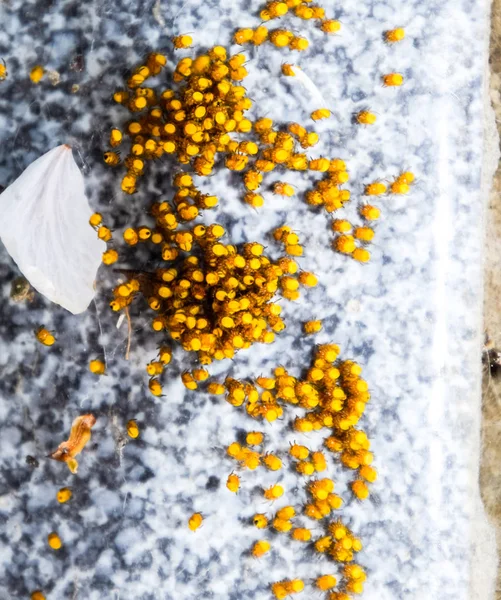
[[55, 111], [358, 96], [184, 417], [212, 483], [32, 462], [77, 63]]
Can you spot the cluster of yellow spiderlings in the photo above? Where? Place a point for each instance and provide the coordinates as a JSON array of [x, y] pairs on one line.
[[346, 241], [347, 235], [251, 459], [283, 38], [401, 185], [217, 300], [328, 192], [193, 123], [334, 396], [292, 247], [339, 543], [277, 149]]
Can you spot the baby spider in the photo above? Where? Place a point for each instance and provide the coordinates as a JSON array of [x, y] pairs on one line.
[[393, 80], [394, 35], [3, 70]]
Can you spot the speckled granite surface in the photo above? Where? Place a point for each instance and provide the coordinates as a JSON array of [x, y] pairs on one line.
[[410, 317]]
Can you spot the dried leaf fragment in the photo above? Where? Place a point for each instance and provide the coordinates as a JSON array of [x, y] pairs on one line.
[[79, 436], [21, 290]]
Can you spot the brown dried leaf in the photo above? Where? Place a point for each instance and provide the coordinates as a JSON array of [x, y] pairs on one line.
[[79, 436]]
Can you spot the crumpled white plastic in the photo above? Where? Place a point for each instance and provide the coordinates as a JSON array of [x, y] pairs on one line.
[[44, 225]]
